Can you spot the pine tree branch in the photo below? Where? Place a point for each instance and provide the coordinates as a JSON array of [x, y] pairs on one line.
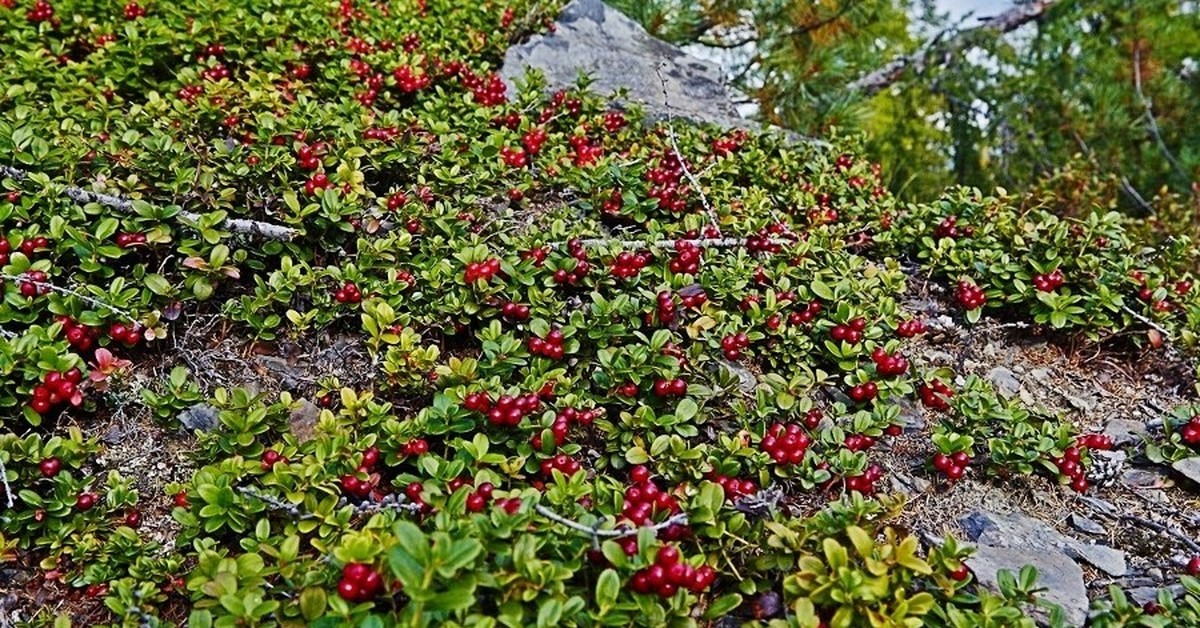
[[263, 230], [1151, 121], [67, 291], [596, 533], [937, 48]]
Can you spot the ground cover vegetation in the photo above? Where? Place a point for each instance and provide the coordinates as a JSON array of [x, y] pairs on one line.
[[557, 305]]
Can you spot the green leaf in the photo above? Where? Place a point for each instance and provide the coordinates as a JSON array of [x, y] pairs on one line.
[[722, 606], [157, 284], [607, 588], [312, 603]]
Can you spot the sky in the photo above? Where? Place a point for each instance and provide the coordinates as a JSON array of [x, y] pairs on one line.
[[982, 8]]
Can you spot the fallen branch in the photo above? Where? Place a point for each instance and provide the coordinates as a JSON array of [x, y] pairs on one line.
[[596, 533], [1151, 121], [712, 243], [1146, 523], [83, 297], [1005, 22], [8, 496], [274, 504], [712, 215], [265, 230]]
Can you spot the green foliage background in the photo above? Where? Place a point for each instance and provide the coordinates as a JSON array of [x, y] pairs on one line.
[[1059, 95]]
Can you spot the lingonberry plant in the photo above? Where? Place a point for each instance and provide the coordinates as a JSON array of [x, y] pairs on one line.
[[612, 371]]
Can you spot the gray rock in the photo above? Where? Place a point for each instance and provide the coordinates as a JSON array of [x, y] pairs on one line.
[[1041, 374], [1084, 404], [1125, 431], [909, 484], [1018, 530], [1005, 381], [617, 53], [1188, 468], [1142, 595], [1143, 478], [201, 417], [911, 414], [1083, 524], [303, 420], [1057, 573], [746, 380]]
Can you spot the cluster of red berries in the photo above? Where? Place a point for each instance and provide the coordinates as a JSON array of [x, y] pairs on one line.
[[1049, 282], [664, 179], [508, 410], [415, 447], [936, 395], [409, 79], [514, 156], [533, 139], [614, 121], [730, 144], [766, 239], [308, 156], [910, 328], [628, 264], [538, 255], [34, 284], [487, 92], [359, 583], [644, 500], [81, 337], [358, 487], [133, 11], [670, 387], [382, 134], [562, 463], [317, 183], [576, 249], [550, 347], [484, 270], [666, 307], [858, 442], [128, 335], [733, 344], [348, 293], [889, 365], [865, 483], [1099, 442], [693, 296], [1070, 464], [969, 295], [563, 420], [130, 239], [189, 93], [734, 487], [478, 498], [56, 389], [28, 246], [669, 574], [40, 12], [215, 73], [786, 443], [270, 458], [587, 153], [949, 228], [687, 258], [515, 311], [862, 393], [953, 465], [851, 332], [807, 315]]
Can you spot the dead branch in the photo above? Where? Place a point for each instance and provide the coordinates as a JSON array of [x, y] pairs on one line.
[[263, 230], [1005, 22]]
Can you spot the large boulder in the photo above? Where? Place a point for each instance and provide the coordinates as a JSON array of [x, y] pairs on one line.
[[594, 39]]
